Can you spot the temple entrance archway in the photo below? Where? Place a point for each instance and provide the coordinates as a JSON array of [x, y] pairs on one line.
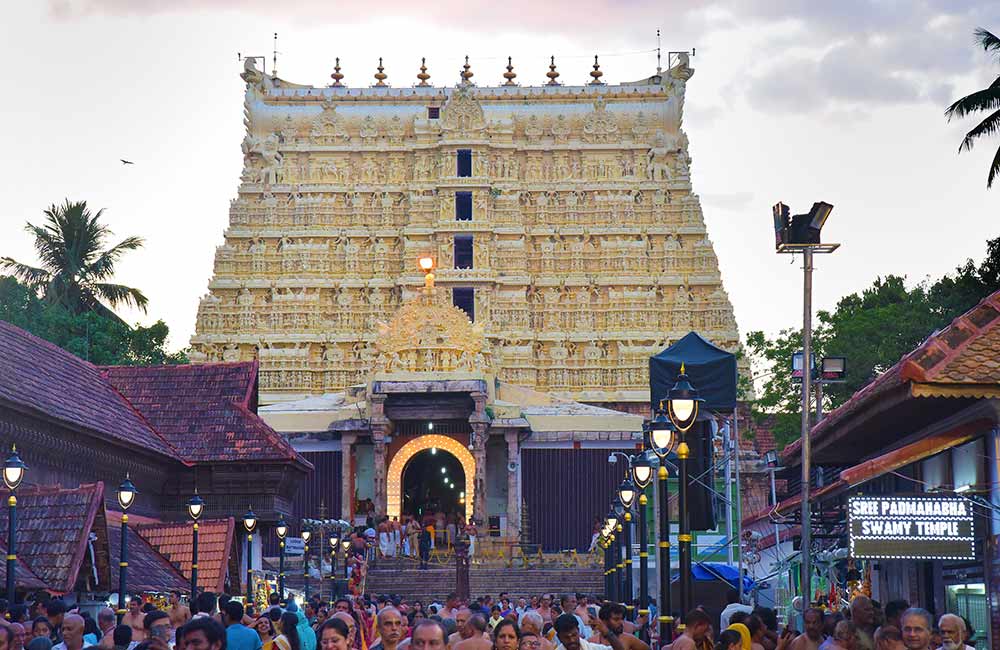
[[433, 481], [442, 446]]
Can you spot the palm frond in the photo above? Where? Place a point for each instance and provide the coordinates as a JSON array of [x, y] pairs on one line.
[[104, 266], [986, 38], [33, 276], [119, 294], [994, 170], [989, 126], [987, 99]]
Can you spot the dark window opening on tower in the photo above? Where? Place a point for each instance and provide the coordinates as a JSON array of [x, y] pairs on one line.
[[433, 112], [464, 163], [465, 299], [463, 251], [463, 206]]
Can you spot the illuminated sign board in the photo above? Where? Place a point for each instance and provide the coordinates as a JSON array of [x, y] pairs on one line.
[[911, 528]]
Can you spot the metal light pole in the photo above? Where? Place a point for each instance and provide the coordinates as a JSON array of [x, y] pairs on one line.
[[249, 524], [334, 546], [641, 474], [626, 494], [801, 233], [126, 496], [306, 536], [281, 529], [195, 506], [620, 536], [13, 474], [684, 528], [661, 440]]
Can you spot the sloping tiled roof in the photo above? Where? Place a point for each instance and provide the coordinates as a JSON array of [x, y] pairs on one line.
[[53, 527], [204, 410], [43, 377], [147, 569], [215, 546], [967, 352]]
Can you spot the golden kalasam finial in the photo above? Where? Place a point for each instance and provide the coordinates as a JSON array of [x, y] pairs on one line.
[[422, 75], [467, 72], [552, 74], [380, 76], [337, 74], [596, 74], [510, 74]]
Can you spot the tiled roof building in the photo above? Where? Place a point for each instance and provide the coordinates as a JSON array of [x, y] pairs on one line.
[[173, 429]]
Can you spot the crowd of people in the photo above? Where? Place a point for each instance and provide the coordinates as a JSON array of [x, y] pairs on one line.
[[416, 536], [544, 622]]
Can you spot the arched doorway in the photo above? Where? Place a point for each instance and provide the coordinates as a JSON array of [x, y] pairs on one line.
[[433, 481], [442, 447]]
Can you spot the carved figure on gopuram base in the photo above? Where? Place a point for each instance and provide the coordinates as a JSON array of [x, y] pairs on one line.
[[659, 167]]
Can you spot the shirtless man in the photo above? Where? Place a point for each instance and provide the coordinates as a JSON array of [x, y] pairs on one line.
[[461, 620], [813, 636], [613, 617], [134, 617], [476, 628], [179, 612]]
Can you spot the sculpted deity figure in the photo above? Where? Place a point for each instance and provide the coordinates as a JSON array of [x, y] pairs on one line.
[[271, 159], [658, 167]]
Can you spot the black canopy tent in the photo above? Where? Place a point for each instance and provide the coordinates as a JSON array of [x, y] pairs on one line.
[[711, 369]]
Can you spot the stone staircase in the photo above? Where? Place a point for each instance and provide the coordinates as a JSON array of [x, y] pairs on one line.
[[402, 577]]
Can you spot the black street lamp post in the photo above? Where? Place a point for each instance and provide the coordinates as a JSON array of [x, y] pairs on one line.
[[641, 474], [626, 494], [13, 474], [281, 529], [126, 497], [334, 547], [306, 536], [661, 441], [249, 524], [195, 506]]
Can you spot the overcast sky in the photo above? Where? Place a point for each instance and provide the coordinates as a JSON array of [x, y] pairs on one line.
[[792, 100]]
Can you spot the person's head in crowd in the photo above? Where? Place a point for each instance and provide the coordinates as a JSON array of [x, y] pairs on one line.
[[506, 636], [40, 627], [916, 625], [568, 603], [568, 631], [449, 625], [207, 602], [6, 637], [264, 628], [428, 635], [157, 625], [697, 625], [893, 609], [72, 631], [17, 640], [952, 629], [531, 623], [55, 610], [202, 634], [730, 640], [888, 637], [289, 627], [232, 613], [813, 619], [862, 612], [830, 620], [390, 625], [613, 616], [342, 605], [529, 641], [768, 617], [846, 635], [352, 626], [334, 634], [739, 617], [106, 619]]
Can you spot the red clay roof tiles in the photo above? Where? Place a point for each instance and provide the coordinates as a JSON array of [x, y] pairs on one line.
[[215, 545], [203, 410], [148, 570], [41, 376]]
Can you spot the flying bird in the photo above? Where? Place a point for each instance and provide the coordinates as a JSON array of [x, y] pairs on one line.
[[126, 162]]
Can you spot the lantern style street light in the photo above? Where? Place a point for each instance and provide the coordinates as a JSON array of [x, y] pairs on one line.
[[281, 529], [682, 402], [126, 497], [13, 474], [306, 536], [627, 492], [642, 470], [195, 506], [250, 524]]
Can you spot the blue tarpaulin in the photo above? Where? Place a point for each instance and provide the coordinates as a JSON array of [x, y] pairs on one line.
[[709, 571], [711, 369]]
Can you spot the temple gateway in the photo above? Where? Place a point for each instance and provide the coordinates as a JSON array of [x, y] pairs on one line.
[[566, 247]]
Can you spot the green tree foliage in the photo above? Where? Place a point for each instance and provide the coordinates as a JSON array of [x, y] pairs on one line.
[[103, 340], [986, 101], [874, 329], [75, 265]]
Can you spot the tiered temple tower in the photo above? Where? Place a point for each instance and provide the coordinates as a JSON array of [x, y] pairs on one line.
[[561, 219]]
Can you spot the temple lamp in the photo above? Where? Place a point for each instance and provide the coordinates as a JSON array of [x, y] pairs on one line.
[[250, 524], [346, 544], [642, 474], [334, 546], [281, 529], [662, 437], [642, 470], [126, 497], [682, 402], [427, 266], [306, 536], [661, 434], [627, 492], [13, 474], [195, 506]]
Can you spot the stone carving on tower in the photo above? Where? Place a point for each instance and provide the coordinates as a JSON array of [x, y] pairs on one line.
[[562, 218]]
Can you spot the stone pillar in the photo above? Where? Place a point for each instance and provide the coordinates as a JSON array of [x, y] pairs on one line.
[[379, 428], [347, 441], [513, 484], [480, 431]]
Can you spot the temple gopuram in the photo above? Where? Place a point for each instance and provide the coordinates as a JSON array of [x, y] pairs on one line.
[[566, 245]]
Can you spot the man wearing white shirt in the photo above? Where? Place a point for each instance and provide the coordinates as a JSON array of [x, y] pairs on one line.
[[72, 631], [568, 634]]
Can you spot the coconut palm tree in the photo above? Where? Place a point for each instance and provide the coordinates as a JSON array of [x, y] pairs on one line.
[[985, 100], [75, 265]]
